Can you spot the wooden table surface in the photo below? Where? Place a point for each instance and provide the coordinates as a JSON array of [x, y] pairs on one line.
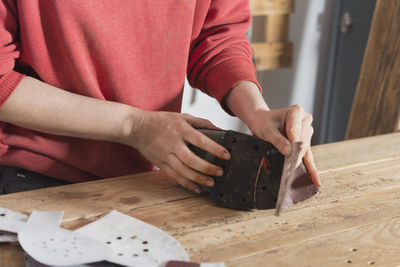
[[354, 221]]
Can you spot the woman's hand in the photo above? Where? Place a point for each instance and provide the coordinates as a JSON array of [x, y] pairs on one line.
[[295, 123], [281, 127], [163, 138]]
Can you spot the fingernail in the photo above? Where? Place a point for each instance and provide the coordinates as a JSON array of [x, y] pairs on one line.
[[210, 182], [219, 172], [287, 149], [226, 155]]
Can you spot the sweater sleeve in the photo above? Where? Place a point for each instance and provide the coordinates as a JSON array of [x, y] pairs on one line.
[[9, 52], [220, 57]]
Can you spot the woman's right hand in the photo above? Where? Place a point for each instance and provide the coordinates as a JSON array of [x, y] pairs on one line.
[[163, 138]]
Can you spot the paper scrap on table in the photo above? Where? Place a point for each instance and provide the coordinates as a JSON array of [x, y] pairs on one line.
[[47, 243], [134, 242], [30, 262], [192, 264], [10, 223], [7, 237], [114, 239], [296, 184]]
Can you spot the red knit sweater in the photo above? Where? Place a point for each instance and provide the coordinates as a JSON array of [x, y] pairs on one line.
[[132, 52]]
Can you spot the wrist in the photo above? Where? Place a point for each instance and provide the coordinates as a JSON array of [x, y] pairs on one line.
[[245, 101], [129, 125]]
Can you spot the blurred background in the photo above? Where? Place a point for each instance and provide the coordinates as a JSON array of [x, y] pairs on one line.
[[329, 39]]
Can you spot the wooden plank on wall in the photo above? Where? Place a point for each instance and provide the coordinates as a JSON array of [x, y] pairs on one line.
[[376, 107], [277, 28], [268, 7], [269, 56], [276, 51]]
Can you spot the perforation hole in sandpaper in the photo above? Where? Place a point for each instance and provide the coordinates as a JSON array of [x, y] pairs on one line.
[[61, 246], [129, 246]]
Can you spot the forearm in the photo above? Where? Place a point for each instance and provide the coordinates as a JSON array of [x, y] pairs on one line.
[[161, 137], [39, 106]]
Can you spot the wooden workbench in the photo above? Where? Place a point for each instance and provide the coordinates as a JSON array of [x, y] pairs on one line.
[[355, 220]]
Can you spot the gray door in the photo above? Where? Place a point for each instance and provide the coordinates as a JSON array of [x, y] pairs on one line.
[[353, 19]]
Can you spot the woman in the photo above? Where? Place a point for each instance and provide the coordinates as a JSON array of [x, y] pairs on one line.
[[93, 89]]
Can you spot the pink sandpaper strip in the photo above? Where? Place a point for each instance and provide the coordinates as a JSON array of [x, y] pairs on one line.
[[296, 184]]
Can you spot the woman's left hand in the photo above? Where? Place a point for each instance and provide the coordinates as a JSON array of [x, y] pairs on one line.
[[282, 127]]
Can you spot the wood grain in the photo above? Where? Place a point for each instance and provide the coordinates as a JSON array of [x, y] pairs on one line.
[[374, 244], [376, 107], [262, 235], [357, 152], [99, 197], [192, 214], [357, 207], [11, 255], [151, 189], [242, 234], [212, 233]]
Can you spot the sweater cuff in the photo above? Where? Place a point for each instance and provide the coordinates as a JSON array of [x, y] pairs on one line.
[[226, 75], [8, 82]]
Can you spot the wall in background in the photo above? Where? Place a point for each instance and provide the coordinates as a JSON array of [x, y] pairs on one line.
[[303, 83], [201, 105]]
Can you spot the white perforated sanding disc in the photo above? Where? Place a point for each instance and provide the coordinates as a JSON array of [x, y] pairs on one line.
[[134, 242]]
